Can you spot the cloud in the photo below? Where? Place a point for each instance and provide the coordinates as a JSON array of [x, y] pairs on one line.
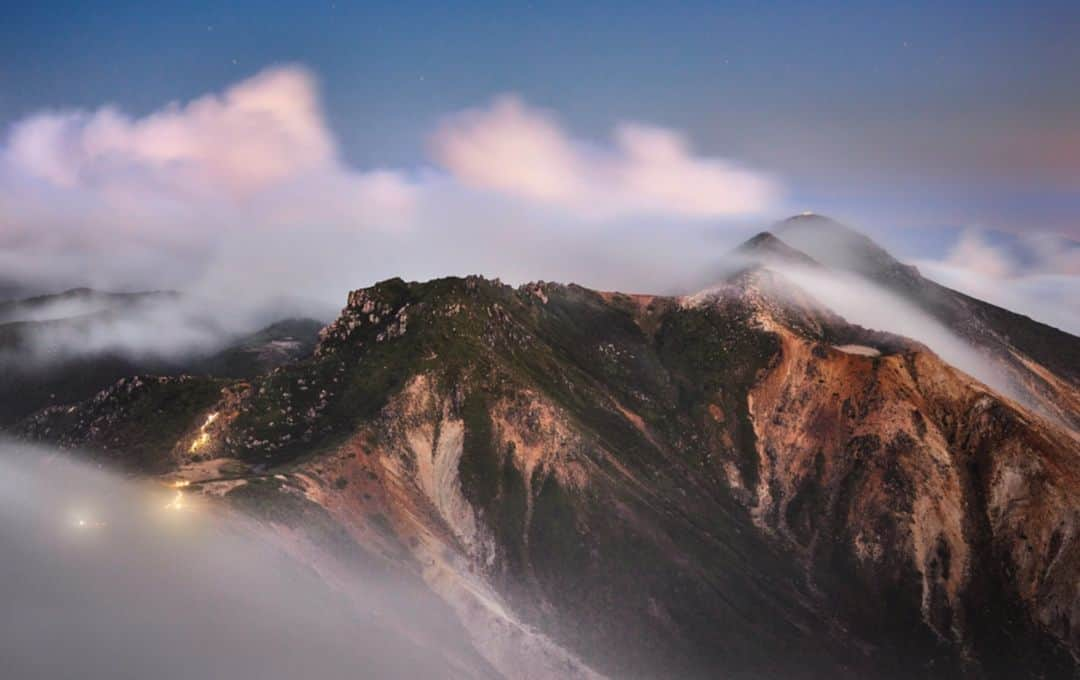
[[256, 156], [975, 254], [512, 149], [243, 199], [244, 194], [157, 327], [880, 309], [258, 133], [1037, 275]]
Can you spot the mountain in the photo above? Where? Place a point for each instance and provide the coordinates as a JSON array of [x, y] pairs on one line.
[[843, 248], [276, 345], [765, 248], [736, 483], [77, 302], [1041, 364], [11, 289], [52, 349]]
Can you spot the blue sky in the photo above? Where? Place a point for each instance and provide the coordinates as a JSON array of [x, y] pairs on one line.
[[917, 121], [832, 95]]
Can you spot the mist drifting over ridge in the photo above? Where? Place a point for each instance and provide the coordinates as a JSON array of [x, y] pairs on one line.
[[110, 578]]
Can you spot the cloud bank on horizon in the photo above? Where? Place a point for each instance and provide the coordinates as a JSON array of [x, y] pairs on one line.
[[245, 193]]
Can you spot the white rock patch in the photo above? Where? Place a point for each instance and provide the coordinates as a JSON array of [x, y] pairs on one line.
[[861, 350]]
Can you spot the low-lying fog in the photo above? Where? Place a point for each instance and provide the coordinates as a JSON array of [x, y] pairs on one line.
[[106, 578]]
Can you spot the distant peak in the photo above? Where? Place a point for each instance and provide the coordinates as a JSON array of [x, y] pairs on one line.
[[797, 224], [763, 239], [767, 246], [806, 218], [838, 246]]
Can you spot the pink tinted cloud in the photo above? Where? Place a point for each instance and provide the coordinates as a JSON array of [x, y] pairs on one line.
[[512, 149], [247, 188], [255, 157], [1045, 284], [260, 132]]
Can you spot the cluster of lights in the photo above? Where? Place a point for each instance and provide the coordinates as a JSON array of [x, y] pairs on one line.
[[178, 503]]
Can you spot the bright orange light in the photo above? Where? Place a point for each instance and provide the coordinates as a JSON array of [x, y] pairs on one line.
[[203, 438]]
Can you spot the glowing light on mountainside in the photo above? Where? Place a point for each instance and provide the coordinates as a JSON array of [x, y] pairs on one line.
[[177, 503], [203, 437]]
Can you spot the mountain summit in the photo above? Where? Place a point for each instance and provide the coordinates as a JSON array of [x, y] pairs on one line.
[[840, 247], [1033, 362]]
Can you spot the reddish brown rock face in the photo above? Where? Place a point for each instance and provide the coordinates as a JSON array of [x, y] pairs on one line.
[[737, 483], [913, 477]]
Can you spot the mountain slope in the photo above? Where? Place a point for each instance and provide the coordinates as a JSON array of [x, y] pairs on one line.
[[842, 248], [1040, 363], [738, 482]]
